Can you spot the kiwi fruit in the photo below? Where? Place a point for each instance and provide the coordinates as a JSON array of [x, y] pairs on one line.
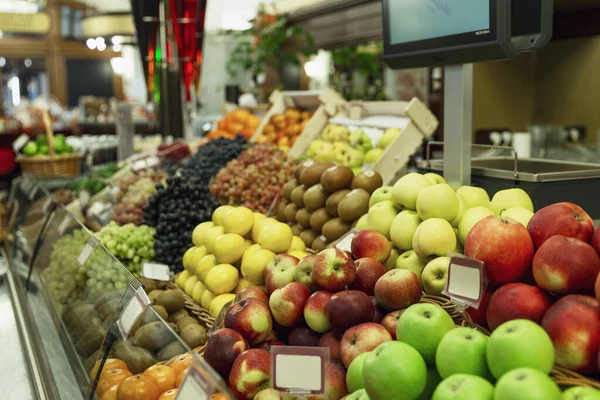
[[368, 180], [176, 316], [171, 300], [108, 309], [354, 205], [315, 197], [318, 219], [137, 358], [90, 342], [194, 335], [106, 297], [335, 229], [297, 229], [308, 236], [153, 295], [92, 321], [336, 178], [149, 284], [319, 243], [160, 310], [312, 175], [280, 212], [333, 200], [171, 350], [77, 313], [152, 336], [298, 196], [301, 167], [303, 217], [290, 213], [185, 321], [288, 187]]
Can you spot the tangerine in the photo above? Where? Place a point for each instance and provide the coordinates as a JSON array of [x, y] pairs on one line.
[[219, 396], [181, 376], [138, 387], [169, 395], [182, 362], [110, 363], [110, 394], [111, 378], [163, 375]]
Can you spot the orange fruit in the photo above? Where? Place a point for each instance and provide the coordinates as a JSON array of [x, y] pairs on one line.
[[181, 376], [110, 394], [111, 363], [219, 396], [169, 395], [138, 387], [163, 375], [111, 378], [182, 362]]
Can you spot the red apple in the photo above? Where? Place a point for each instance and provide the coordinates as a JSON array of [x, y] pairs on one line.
[[390, 322], [596, 240], [566, 265], [370, 243], [517, 301], [287, 304], [252, 292], [349, 308], [598, 287], [314, 311], [398, 288], [573, 324], [303, 336], [566, 219], [304, 271], [250, 373], [333, 341], [335, 382], [379, 311], [505, 247], [333, 270], [252, 318], [268, 344], [479, 314], [368, 271], [280, 260], [280, 276], [360, 339], [222, 348]]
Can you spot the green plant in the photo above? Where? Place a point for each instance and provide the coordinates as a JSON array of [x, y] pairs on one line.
[[269, 42], [366, 59]]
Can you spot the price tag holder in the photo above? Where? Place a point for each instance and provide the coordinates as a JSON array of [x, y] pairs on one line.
[[136, 306], [193, 387], [33, 192], [87, 251], [158, 272], [299, 370], [467, 281], [345, 242], [48, 204], [65, 223], [20, 142]]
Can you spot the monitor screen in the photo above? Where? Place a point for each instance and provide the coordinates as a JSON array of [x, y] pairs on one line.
[[417, 20]]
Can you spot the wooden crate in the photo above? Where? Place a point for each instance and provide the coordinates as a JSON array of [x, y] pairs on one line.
[[417, 122]]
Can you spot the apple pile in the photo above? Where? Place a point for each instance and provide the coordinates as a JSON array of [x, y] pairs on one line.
[[231, 252], [547, 273], [324, 201], [351, 146]]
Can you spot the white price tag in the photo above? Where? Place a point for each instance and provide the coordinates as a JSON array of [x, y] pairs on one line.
[[345, 242], [96, 209], [299, 370], [87, 251], [368, 168], [20, 142], [467, 281], [136, 306], [192, 387], [159, 272]]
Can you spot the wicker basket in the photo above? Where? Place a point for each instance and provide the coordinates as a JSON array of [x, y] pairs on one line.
[[196, 310]]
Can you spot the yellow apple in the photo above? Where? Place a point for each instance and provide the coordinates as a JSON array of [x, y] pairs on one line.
[[222, 278], [390, 263], [474, 197], [380, 217], [207, 297], [403, 229], [239, 220], [219, 214], [197, 255], [253, 265], [297, 244], [461, 211], [471, 217], [186, 260], [181, 278], [434, 236], [198, 291], [259, 225], [438, 201], [205, 264], [299, 254], [435, 275], [228, 248], [519, 214], [217, 304], [258, 216], [362, 223], [434, 178], [200, 231], [211, 236], [188, 288], [406, 190], [410, 261], [510, 198], [275, 237]]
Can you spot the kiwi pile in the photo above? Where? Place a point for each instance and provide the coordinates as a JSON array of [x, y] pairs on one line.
[[324, 201]]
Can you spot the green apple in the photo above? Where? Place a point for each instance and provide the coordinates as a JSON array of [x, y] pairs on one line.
[[519, 214], [471, 217], [434, 236], [464, 387], [434, 178], [394, 370], [526, 384], [353, 158], [380, 217], [390, 263], [362, 223], [388, 137], [372, 156], [519, 343], [360, 394], [438, 201], [406, 190], [461, 212], [354, 380], [381, 194], [360, 140], [30, 149], [581, 393], [435, 275], [403, 229], [474, 196], [410, 261], [326, 153], [433, 380], [422, 326], [509, 198], [463, 351]]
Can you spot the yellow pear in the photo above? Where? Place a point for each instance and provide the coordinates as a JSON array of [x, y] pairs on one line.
[[260, 225], [198, 291], [217, 304], [212, 235], [297, 244], [189, 285], [197, 255], [276, 237], [204, 265], [228, 248], [222, 278], [219, 214], [299, 254], [181, 278], [199, 232], [258, 216], [207, 297], [186, 260], [243, 283], [239, 220], [253, 266]]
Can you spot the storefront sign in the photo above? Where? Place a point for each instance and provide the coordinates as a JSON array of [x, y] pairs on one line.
[[38, 23]]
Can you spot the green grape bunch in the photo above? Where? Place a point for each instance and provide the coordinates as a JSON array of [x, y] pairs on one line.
[[130, 244]]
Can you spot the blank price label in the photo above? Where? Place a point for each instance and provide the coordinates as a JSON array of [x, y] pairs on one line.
[[192, 387], [20, 142], [159, 272], [345, 242], [299, 370], [466, 281], [136, 306], [87, 251]]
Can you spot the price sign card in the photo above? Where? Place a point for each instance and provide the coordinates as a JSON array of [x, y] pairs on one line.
[[87, 251], [345, 242], [299, 370], [20, 142], [136, 306], [158, 272], [467, 281], [193, 387]]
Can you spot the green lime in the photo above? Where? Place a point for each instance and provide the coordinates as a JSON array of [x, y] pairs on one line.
[[41, 139], [68, 149], [43, 150], [30, 149], [59, 138], [59, 147]]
